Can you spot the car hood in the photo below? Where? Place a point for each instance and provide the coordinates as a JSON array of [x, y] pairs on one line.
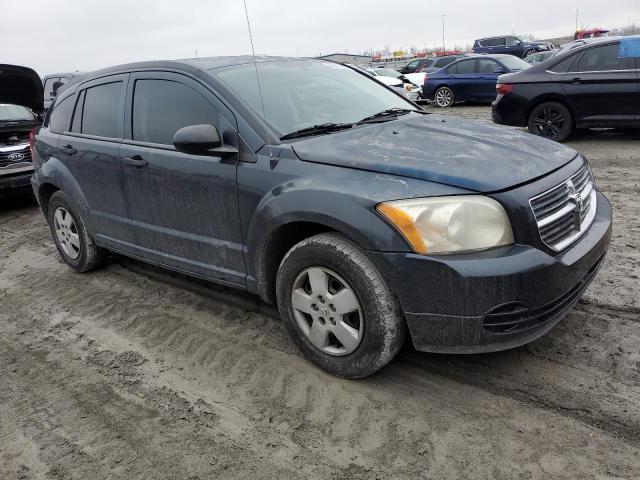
[[21, 86], [452, 151]]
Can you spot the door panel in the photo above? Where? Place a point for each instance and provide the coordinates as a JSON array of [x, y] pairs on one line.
[[487, 79], [184, 208], [602, 89], [464, 79], [94, 160]]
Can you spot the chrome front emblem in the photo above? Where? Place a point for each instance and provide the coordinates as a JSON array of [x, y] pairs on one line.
[[575, 197], [15, 157]]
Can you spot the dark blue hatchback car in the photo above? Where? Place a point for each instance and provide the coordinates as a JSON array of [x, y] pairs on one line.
[[470, 79], [362, 217]]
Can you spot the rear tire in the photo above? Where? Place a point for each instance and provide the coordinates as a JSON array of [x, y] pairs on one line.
[[551, 120], [314, 280], [75, 245], [444, 97]]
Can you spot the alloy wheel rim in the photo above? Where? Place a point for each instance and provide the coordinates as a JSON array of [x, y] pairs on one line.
[[327, 311], [549, 122], [67, 232], [443, 97]]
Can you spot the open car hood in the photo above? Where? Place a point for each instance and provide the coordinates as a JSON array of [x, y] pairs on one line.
[[21, 86], [448, 150]]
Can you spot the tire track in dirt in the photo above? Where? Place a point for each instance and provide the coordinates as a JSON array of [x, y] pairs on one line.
[[241, 358]]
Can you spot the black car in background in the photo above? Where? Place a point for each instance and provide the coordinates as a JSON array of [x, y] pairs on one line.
[[589, 86], [20, 106], [429, 64], [361, 216]]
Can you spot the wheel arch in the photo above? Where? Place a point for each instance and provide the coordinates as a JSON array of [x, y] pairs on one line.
[[551, 97]]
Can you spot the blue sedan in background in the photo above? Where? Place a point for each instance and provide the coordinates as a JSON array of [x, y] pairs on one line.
[[470, 79]]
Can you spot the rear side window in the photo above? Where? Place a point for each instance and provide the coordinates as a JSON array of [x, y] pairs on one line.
[[162, 107], [487, 66], [463, 67], [60, 117], [603, 58], [564, 66], [101, 109]]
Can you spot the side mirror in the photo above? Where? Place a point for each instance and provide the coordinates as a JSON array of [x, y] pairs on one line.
[[500, 70], [202, 140]]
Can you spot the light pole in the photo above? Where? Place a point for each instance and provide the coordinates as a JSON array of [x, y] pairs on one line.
[[444, 49], [577, 12]]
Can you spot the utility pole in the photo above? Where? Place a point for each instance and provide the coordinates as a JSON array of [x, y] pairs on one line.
[[444, 49]]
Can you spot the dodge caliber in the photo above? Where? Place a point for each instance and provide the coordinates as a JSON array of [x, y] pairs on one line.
[[308, 183]]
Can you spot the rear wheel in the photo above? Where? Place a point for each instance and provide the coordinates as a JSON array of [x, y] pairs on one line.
[[444, 97], [70, 235], [551, 120], [337, 307]]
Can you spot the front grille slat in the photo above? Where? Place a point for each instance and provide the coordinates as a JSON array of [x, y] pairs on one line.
[[566, 211]]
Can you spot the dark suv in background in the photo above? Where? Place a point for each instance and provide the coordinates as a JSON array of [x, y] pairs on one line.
[[511, 45], [589, 86], [20, 109], [361, 216]]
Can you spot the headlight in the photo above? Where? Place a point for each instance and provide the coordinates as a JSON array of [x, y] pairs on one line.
[[449, 224]]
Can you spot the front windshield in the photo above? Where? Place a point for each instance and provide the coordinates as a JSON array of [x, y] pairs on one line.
[[514, 64], [300, 94], [14, 113], [388, 72]]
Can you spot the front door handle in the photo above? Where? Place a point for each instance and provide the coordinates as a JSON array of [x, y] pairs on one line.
[[136, 161], [69, 150]]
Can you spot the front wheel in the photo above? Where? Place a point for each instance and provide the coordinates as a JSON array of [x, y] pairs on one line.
[[528, 52], [551, 120], [444, 97], [337, 307]]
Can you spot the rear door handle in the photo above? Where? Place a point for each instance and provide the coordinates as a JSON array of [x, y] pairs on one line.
[[69, 150], [136, 161], [576, 81]]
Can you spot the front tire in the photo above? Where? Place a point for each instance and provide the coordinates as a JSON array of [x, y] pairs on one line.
[[528, 52], [551, 120], [75, 245], [444, 97], [337, 307]]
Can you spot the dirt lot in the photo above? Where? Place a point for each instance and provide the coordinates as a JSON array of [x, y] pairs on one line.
[[130, 372]]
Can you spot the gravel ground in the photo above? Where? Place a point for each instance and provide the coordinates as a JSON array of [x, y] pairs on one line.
[[131, 372]]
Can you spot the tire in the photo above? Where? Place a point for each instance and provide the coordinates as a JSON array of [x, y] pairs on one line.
[[83, 255], [378, 320], [551, 120], [528, 52], [444, 97]]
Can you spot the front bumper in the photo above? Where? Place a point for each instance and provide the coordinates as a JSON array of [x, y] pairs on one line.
[[18, 178], [496, 299]]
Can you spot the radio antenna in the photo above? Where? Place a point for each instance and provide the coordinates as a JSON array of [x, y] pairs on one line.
[[255, 64]]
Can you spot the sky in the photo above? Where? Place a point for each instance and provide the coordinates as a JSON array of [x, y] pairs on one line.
[[68, 35]]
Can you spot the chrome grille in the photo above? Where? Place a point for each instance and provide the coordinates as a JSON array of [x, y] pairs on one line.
[[14, 155], [566, 211]]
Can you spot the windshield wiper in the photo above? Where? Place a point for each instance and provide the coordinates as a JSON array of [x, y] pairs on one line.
[[317, 130], [388, 114]]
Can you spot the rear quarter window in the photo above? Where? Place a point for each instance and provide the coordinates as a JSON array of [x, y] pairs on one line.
[[60, 116], [565, 65]]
